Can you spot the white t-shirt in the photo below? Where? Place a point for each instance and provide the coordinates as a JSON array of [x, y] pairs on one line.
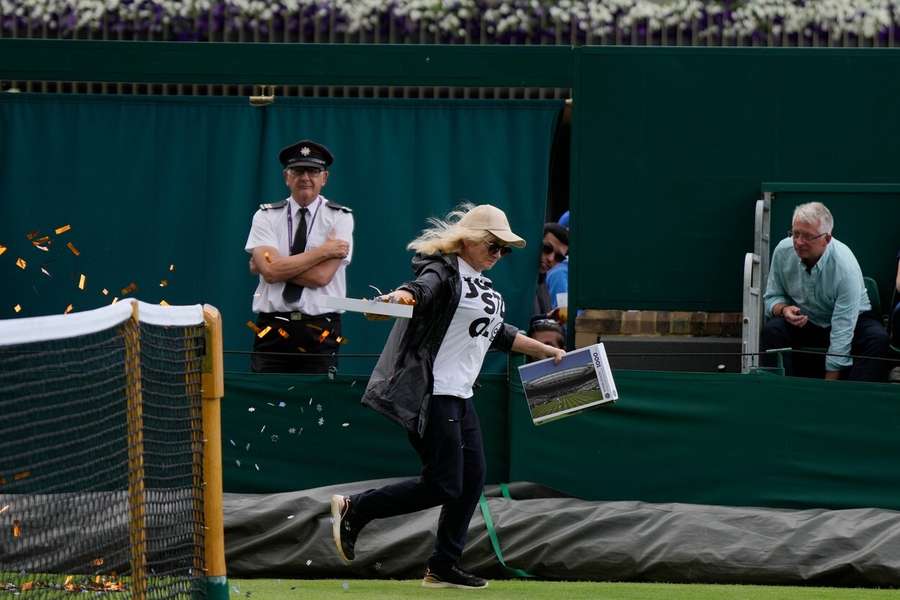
[[270, 228], [475, 323]]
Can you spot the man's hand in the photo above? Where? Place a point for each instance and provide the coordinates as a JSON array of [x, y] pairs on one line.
[[832, 375], [334, 247], [793, 316]]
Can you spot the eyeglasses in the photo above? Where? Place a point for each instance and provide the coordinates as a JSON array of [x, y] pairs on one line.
[[558, 256], [495, 248], [803, 237], [299, 171]]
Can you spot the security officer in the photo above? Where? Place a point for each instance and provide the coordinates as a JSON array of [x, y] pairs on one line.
[[300, 247]]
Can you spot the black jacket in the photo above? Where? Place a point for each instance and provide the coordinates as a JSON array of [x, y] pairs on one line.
[[403, 380]]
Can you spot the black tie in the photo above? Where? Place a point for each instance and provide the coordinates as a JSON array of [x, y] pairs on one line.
[[291, 293]]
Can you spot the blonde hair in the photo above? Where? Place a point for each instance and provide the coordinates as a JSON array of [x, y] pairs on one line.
[[445, 236]]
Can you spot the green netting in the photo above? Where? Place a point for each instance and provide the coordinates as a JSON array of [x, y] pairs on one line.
[[67, 487]]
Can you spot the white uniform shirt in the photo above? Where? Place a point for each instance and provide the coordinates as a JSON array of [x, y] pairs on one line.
[[270, 228], [475, 323]]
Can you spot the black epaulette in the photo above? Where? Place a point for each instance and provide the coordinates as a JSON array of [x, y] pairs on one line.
[[281, 204], [339, 207]]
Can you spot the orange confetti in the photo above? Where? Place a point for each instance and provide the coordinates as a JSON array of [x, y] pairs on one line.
[[164, 283], [63, 229], [20, 262], [68, 310], [31, 235], [2, 249], [81, 281], [105, 292], [26, 586], [283, 333], [340, 339], [22, 475], [253, 326], [17, 529], [323, 335], [263, 333], [41, 240], [74, 250], [163, 303], [17, 308], [131, 287], [98, 562], [268, 258]]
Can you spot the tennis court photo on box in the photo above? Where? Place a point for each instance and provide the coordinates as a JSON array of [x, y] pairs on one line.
[[581, 380]]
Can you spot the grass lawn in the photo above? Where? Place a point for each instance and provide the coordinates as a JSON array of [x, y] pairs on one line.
[[326, 589]]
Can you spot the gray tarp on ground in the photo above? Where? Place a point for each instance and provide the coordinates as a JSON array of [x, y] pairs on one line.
[[289, 535]]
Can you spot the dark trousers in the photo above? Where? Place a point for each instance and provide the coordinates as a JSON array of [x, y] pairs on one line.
[[453, 469], [302, 350], [869, 339]]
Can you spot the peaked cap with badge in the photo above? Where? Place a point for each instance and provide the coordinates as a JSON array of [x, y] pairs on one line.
[[305, 153]]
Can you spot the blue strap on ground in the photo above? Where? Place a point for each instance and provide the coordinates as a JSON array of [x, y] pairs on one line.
[[492, 533]]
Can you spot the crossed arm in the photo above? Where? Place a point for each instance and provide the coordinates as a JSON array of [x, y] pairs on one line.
[[313, 268]]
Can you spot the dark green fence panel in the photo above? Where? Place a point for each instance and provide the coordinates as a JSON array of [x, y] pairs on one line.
[[147, 183], [740, 440], [272, 440], [671, 146]]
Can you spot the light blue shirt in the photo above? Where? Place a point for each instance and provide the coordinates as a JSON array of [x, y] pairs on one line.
[[831, 294], [558, 281]]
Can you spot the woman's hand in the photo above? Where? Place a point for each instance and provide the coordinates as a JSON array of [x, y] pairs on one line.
[[395, 297]]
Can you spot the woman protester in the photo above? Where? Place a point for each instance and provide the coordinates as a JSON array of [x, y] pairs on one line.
[[423, 380]]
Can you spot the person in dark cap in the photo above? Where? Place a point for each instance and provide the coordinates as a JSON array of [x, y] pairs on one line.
[[300, 248]]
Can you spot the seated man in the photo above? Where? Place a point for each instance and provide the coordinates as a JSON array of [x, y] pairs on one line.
[[895, 315], [815, 296]]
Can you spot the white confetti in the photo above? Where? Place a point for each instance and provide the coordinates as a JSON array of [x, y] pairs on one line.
[[237, 462], [235, 589], [270, 404], [291, 389], [352, 383], [346, 586], [263, 429], [319, 407], [308, 562], [301, 431], [378, 565], [292, 430], [284, 319], [247, 447], [251, 409], [282, 404], [310, 401], [232, 443], [345, 424], [274, 438], [321, 421], [256, 465], [290, 517]]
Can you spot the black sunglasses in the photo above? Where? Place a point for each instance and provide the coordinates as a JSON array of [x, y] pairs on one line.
[[559, 256], [494, 248]]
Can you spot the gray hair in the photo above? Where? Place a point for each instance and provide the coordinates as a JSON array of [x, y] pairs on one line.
[[814, 213], [445, 236]]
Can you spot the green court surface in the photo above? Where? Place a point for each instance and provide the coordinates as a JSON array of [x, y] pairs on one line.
[[326, 589]]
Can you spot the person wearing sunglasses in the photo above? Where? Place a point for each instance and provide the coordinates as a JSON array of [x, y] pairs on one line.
[[424, 377], [554, 248], [816, 297]]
